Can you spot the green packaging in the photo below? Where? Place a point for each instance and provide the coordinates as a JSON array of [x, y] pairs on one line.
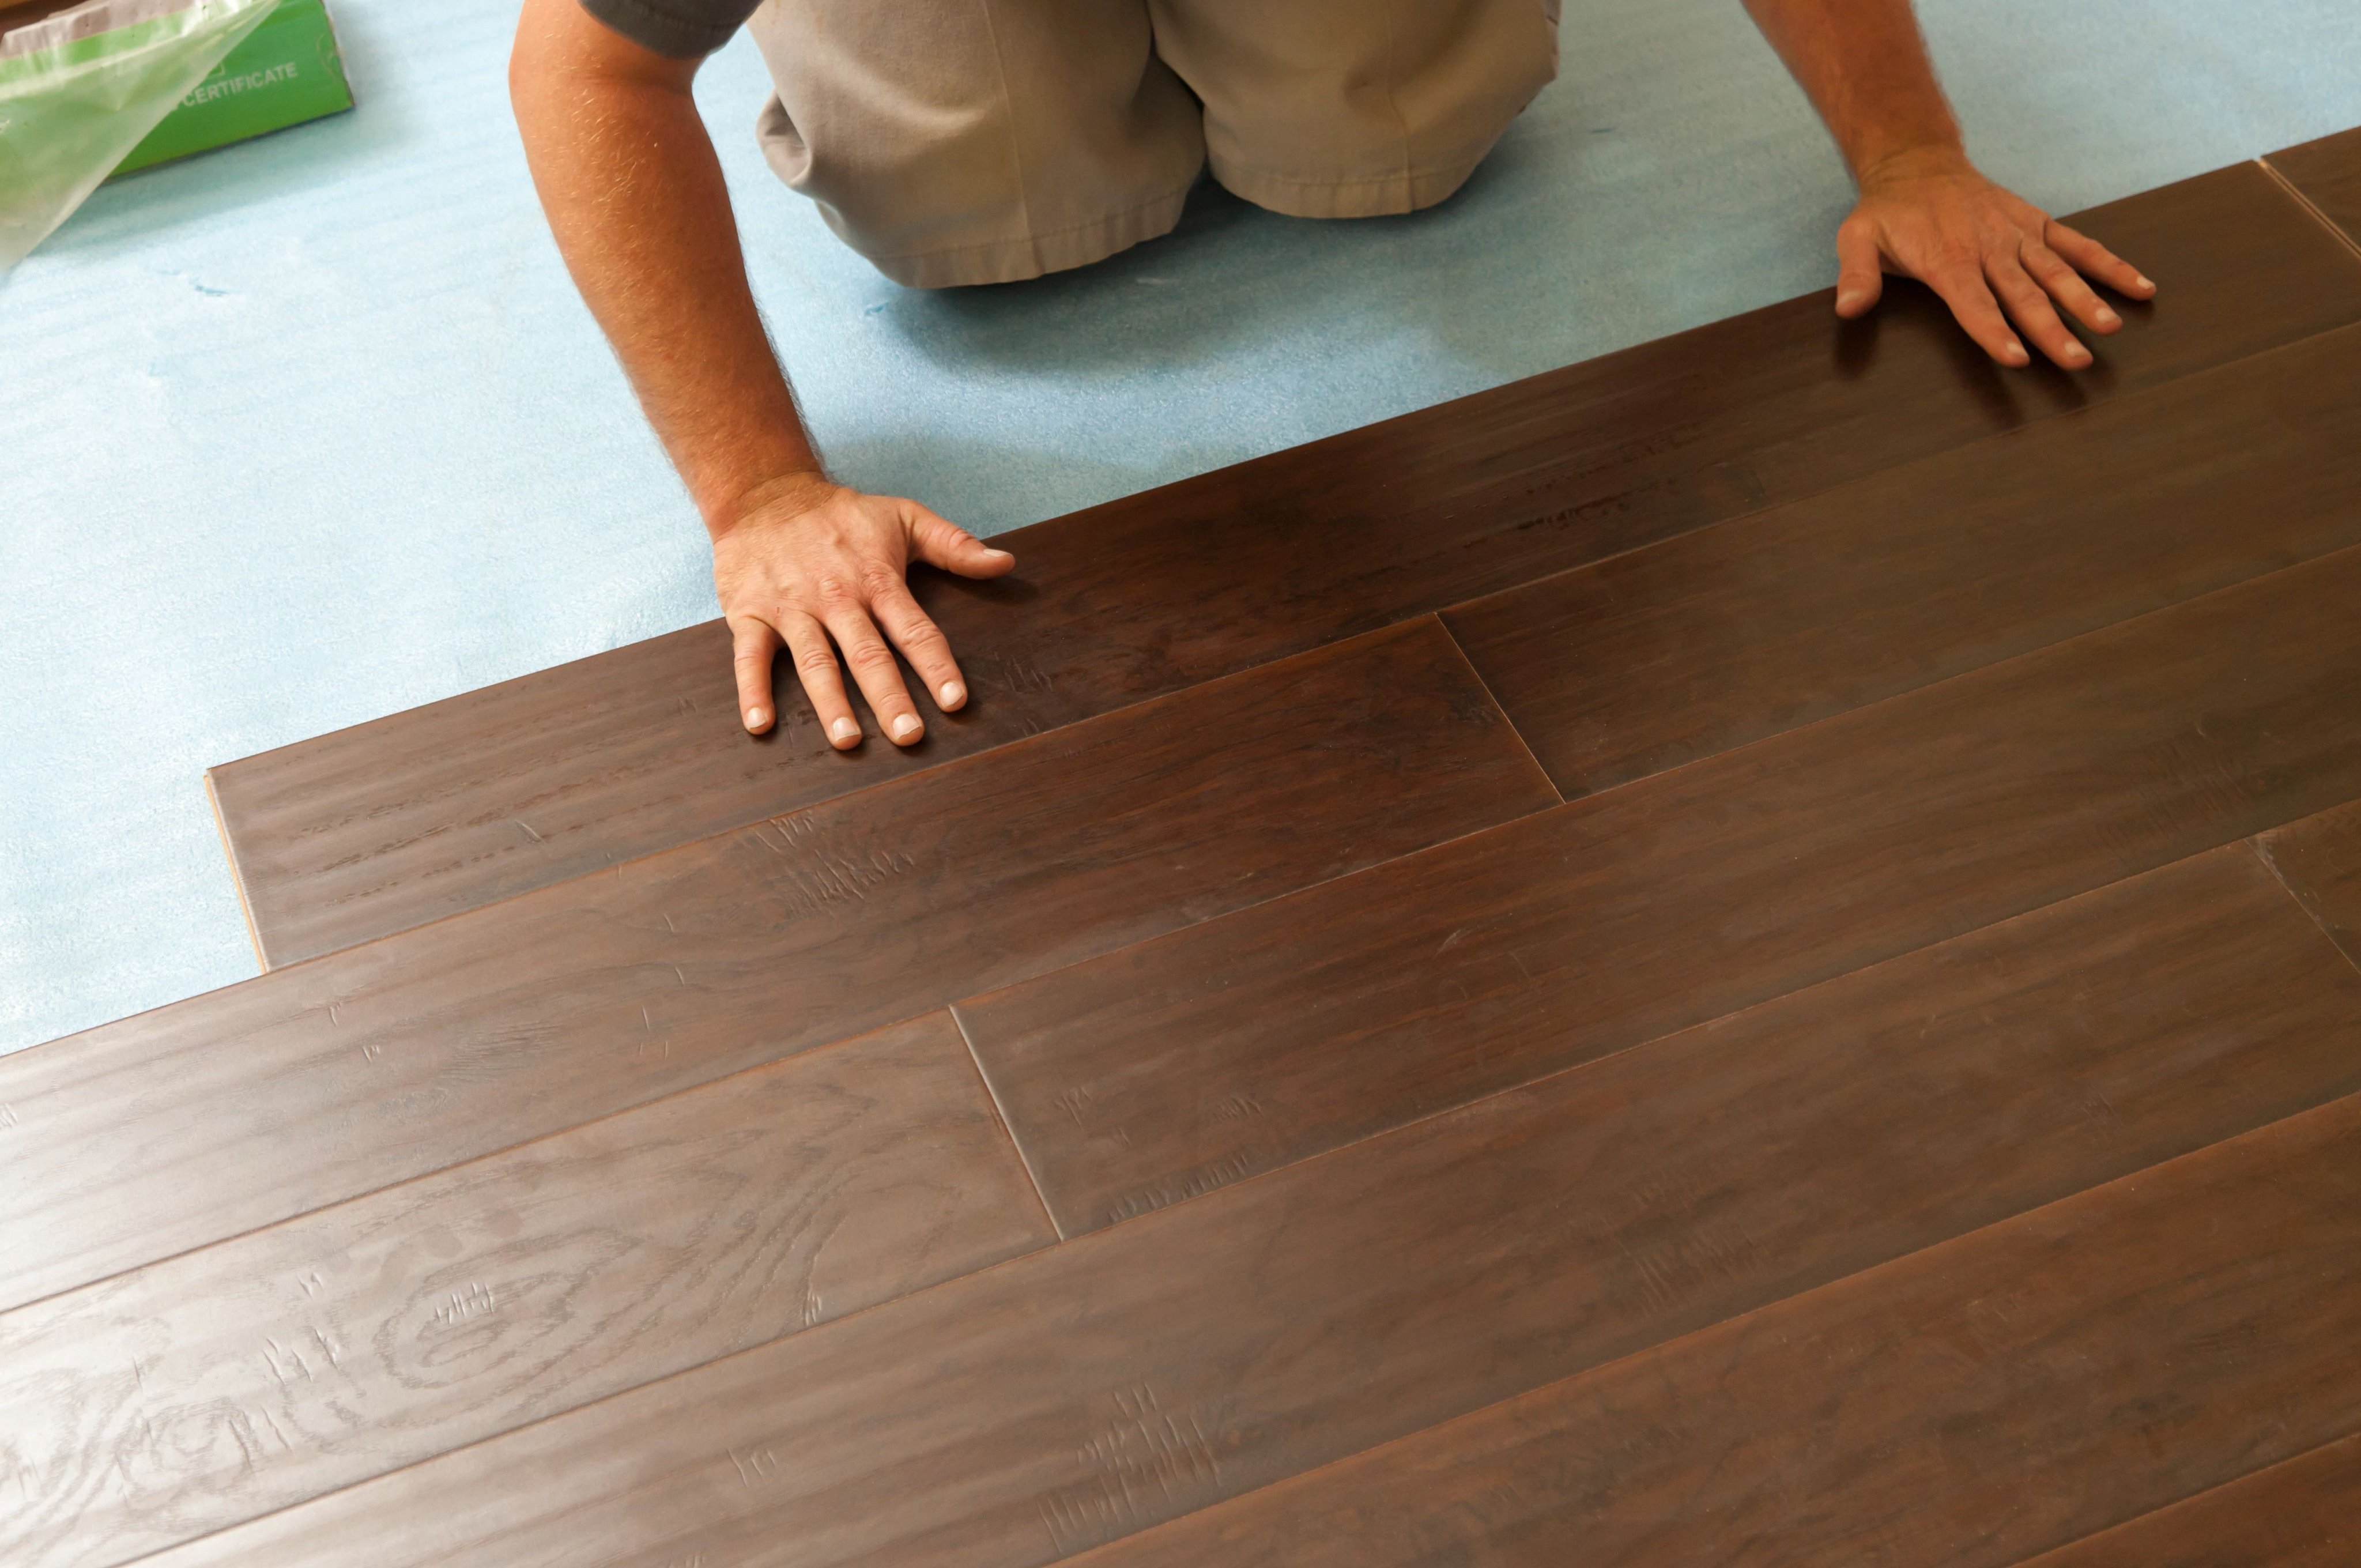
[[286, 71]]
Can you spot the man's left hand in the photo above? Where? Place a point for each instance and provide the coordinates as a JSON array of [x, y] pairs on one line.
[[1929, 215]]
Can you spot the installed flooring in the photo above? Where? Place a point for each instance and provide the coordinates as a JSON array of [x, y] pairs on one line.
[[1744, 953]]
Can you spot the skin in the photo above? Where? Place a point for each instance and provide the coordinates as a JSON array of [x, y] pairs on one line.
[[634, 197], [1925, 211]]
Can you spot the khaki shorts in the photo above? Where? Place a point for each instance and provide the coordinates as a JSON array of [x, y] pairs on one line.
[[980, 141]]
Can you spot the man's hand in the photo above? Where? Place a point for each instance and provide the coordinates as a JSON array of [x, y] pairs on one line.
[[1929, 215], [804, 562], [1925, 211], [635, 198]]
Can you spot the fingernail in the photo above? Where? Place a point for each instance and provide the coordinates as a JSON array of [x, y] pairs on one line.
[[2017, 355], [843, 729], [905, 725], [757, 718], [1848, 300], [953, 693], [2109, 318], [2143, 282]]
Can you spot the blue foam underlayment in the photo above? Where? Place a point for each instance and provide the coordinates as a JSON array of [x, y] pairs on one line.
[[314, 429]]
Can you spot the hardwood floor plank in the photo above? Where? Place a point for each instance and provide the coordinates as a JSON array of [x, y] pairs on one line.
[[448, 807], [1101, 1385], [1730, 634], [2320, 860], [254, 1375], [1130, 1081], [2328, 174], [2016, 1388], [328, 1080], [2303, 1512]]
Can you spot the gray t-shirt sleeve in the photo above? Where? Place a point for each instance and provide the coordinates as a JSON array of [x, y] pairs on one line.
[[685, 29]]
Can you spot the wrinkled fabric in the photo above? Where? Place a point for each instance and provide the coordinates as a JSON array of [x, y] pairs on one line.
[[982, 141]]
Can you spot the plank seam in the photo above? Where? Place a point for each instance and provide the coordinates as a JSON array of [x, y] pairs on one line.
[[1593, 1063], [1007, 1128], [2342, 239], [1462, 606], [236, 872], [1498, 706], [767, 1064], [2342, 552], [2262, 852], [2239, 1479], [1321, 1155], [1724, 1324], [952, 1007], [969, 760], [2295, 193]]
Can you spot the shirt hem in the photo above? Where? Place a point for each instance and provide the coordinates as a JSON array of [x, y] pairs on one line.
[[664, 33]]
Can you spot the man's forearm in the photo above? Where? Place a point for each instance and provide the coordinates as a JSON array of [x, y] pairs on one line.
[[1864, 63], [635, 198]]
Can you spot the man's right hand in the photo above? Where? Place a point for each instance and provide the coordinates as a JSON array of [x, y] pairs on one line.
[[818, 568], [636, 201]]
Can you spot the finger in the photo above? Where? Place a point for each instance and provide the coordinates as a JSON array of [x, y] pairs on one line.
[[1962, 288], [2036, 318], [873, 666], [823, 681], [2066, 286], [941, 542], [2093, 259], [752, 647], [1861, 273], [922, 643]]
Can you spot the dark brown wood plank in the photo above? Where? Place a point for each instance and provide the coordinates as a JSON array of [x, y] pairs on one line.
[[2303, 1512], [1130, 1081], [2327, 173], [1106, 1384], [2015, 1388], [453, 805], [206, 1390], [1730, 634], [327, 1079], [2320, 860]]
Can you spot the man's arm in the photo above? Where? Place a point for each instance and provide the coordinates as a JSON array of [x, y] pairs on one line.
[[1924, 210], [635, 198]]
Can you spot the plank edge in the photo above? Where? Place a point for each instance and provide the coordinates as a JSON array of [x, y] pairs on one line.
[[2295, 193], [2065, 1552], [1114, 1549], [236, 872]]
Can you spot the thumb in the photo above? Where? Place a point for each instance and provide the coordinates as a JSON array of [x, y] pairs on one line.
[[1860, 278], [941, 542], [754, 646]]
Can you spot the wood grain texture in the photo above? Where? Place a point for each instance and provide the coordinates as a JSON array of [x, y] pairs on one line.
[[2327, 173], [328, 1080], [1131, 1080], [453, 805], [2009, 1391], [2303, 1512], [2320, 860], [202, 1392], [1730, 634], [1099, 1387]]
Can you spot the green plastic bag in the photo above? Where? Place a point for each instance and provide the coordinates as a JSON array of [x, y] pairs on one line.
[[80, 89]]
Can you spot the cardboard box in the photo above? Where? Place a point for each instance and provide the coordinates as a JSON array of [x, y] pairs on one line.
[[286, 71]]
